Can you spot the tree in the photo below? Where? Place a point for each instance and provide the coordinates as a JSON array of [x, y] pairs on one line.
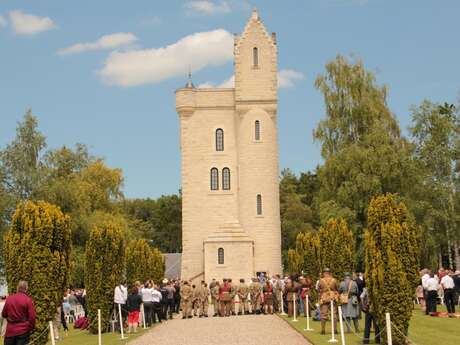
[[157, 266], [21, 159], [436, 135], [391, 260], [138, 261], [360, 139], [37, 249], [104, 268], [167, 224], [336, 247]]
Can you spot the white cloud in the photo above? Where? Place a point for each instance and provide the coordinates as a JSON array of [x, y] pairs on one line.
[[208, 7], [286, 78], [105, 42], [29, 24], [144, 66], [3, 22]]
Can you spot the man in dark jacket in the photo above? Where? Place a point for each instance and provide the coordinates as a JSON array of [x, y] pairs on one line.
[[19, 310]]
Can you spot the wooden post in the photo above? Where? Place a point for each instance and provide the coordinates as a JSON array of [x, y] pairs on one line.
[[282, 303], [388, 324], [121, 322], [332, 340], [99, 327], [294, 306], [342, 335], [143, 315], [53, 340], [307, 305]]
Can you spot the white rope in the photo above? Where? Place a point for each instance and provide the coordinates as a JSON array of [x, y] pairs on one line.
[[41, 335], [404, 336]]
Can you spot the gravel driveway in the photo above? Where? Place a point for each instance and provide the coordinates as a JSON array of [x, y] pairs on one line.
[[235, 330]]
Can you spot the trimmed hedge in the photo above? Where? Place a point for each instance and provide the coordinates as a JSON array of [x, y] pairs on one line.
[[104, 269], [37, 249]]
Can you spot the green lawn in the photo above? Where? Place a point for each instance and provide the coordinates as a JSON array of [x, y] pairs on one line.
[[78, 337], [423, 330]]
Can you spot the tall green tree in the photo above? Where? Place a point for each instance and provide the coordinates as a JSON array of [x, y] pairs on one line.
[[336, 247], [37, 249], [361, 144], [436, 134], [138, 261], [20, 159], [391, 260], [104, 269]]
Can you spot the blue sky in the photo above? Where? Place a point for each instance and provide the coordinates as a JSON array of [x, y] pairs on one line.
[[86, 94]]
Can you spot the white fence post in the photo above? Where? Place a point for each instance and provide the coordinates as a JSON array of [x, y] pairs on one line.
[[332, 340], [53, 339], [99, 327], [307, 305], [121, 322], [143, 315], [388, 324], [342, 335], [294, 300], [282, 303]]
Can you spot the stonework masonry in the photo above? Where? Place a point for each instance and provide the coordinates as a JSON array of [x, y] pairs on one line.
[[228, 220]]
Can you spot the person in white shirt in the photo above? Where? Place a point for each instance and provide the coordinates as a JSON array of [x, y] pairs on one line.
[[425, 276], [447, 284], [432, 286], [120, 296], [147, 299], [156, 294]]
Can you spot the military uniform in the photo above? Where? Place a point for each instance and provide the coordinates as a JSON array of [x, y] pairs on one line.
[[233, 290], [204, 300], [186, 300], [197, 296], [291, 297], [225, 299], [328, 291], [268, 298], [215, 296], [243, 293], [254, 292]]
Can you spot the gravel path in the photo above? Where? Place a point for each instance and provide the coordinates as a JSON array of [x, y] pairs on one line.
[[236, 330]]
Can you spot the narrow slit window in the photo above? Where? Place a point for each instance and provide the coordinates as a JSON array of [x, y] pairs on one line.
[[255, 56], [257, 130], [214, 179], [259, 204], [219, 139], [226, 179], [220, 256]]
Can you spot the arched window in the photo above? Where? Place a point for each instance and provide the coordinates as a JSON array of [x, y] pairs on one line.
[[219, 139], [255, 57], [214, 179], [257, 130], [226, 179], [259, 204], [220, 256]]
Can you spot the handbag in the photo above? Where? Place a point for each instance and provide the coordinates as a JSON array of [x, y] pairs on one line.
[[345, 296]]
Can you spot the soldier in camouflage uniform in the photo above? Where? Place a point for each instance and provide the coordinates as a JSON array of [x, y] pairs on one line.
[[196, 297], [328, 291], [243, 293], [204, 299], [254, 292], [215, 298], [233, 291], [186, 300]]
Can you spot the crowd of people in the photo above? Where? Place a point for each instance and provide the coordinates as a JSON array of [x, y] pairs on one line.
[[148, 303], [442, 287]]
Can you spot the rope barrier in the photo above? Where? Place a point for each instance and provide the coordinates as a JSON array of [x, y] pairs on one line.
[[404, 336], [39, 336]]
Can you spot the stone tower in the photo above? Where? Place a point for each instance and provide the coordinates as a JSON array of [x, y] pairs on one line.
[[229, 146]]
